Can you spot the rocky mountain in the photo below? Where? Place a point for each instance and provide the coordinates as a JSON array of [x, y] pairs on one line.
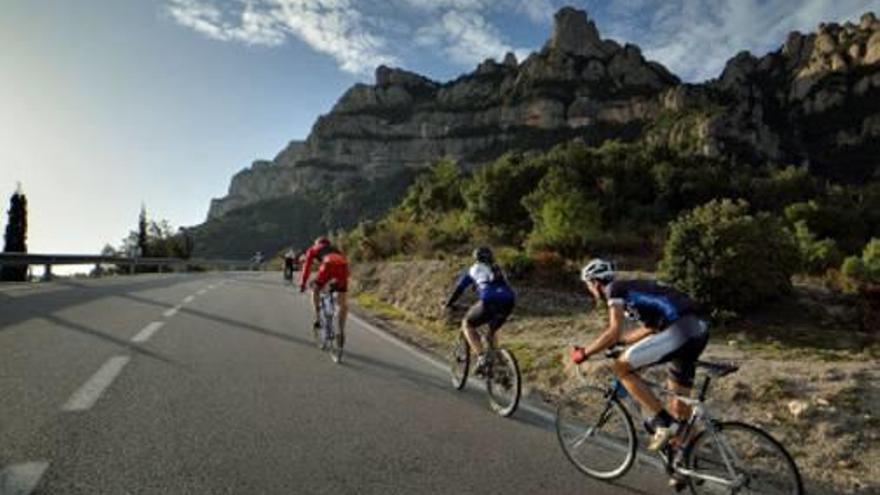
[[814, 101]]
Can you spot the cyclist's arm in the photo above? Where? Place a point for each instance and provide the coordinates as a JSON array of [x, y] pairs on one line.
[[463, 283], [306, 269], [611, 335]]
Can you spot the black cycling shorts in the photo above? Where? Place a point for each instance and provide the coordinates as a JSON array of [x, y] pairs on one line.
[[679, 344], [492, 313]]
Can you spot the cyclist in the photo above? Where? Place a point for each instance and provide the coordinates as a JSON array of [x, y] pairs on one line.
[[496, 301], [333, 267], [289, 264], [670, 331]]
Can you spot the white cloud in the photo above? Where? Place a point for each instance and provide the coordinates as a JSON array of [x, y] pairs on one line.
[[466, 37], [333, 27], [694, 38]]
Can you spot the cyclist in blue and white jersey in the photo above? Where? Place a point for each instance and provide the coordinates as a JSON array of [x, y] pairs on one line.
[[670, 331], [496, 302]]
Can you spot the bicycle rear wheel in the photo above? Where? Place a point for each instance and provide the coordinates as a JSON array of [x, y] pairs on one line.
[[762, 464], [504, 383], [459, 361], [596, 433]]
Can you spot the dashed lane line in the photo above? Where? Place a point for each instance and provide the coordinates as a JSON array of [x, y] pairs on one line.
[[171, 311], [86, 396], [188, 299], [202, 292], [21, 479], [147, 332]]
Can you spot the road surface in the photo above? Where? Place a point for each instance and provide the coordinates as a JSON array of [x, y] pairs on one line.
[[210, 384]]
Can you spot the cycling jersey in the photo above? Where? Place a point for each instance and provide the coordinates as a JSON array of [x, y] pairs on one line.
[[490, 281], [655, 305], [334, 266]]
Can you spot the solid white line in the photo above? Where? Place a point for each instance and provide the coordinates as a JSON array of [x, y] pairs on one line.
[[440, 365], [171, 312], [21, 479], [88, 394], [188, 299], [147, 332]]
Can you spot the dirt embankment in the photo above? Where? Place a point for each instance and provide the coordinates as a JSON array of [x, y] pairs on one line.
[[816, 389]]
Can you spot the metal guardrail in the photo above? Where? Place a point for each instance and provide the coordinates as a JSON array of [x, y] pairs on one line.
[[48, 260]]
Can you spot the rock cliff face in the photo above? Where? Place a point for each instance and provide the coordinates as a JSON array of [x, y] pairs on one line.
[[815, 101], [578, 84]]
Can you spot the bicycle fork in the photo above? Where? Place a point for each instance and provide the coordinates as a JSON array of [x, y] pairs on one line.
[[728, 456]]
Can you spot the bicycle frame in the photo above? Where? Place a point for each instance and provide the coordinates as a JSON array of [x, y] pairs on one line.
[[328, 311], [699, 413]]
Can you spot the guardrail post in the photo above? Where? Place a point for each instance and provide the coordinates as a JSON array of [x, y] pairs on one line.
[[47, 273]]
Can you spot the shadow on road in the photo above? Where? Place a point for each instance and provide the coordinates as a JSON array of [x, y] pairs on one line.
[[125, 344]]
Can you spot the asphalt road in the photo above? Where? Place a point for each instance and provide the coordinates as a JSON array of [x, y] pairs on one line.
[[211, 384]]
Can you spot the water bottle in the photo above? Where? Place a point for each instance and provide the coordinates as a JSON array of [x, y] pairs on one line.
[[619, 389]]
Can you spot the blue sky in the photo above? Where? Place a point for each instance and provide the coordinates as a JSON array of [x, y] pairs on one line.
[[105, 104]]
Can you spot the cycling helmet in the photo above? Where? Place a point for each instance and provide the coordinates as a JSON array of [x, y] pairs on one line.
[[598, 269], [483, 255], [322, 241]]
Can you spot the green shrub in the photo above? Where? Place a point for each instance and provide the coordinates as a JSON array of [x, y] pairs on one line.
[[817, 256], [435, 191], [865, 269], [517, 264], [564, 218], [727, 258]]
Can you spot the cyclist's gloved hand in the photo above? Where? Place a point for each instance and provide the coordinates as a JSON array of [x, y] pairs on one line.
[[577, 355]]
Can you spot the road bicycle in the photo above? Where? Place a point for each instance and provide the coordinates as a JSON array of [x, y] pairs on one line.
[[329, 335], [502, 375], [597, 433]]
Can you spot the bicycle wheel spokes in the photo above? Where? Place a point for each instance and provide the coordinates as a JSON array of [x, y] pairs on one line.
[[459, 360], [596, 433], [746, 457], [504, 383]]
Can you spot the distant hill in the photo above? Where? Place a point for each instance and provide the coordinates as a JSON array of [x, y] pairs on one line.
[[815, 101]]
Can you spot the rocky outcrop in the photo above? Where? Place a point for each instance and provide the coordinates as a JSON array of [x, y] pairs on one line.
[[815, 101], [577, 82]]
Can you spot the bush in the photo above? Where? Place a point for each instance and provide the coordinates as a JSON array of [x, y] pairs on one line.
[[517, 264], [817, 256], [864, 270], [437, 190], [564, 218], [727, 258]]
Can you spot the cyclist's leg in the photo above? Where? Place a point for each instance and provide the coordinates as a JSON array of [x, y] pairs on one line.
[[477, 315], [318, 284], [683, 365], [655, 349], [499, 315]]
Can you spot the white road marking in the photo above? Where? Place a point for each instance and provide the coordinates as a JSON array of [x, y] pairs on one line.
[[440, 365], [188, 299], [21, 479], [171, 312], [202, 292], [212, 287], [147, 332], [91, 391]]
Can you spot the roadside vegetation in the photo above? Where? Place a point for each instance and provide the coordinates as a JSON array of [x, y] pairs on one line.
[[789, 264]]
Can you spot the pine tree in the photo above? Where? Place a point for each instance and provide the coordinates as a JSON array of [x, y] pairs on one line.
[[142, 233], [16, 236]]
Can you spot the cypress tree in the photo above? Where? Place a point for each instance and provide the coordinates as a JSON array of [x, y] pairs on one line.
[[16, 236], [142, 233]]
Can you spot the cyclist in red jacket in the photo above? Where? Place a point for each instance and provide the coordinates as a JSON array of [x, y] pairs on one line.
[[333, 267]]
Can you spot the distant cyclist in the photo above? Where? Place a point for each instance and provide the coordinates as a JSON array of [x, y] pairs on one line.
[[496, 302], [670, 331], [289, 264], [333, 267]]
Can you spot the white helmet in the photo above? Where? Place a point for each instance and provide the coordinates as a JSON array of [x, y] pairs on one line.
[[598, 269]]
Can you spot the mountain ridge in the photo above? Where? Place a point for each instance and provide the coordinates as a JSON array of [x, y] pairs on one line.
[[815, 102]]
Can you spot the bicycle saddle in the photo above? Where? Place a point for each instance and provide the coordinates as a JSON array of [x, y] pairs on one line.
[[717, 369]]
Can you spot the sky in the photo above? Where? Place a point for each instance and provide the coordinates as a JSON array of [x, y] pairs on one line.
[[106, 105]]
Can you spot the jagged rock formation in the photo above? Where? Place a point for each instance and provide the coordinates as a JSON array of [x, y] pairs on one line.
[[577, 84], [815, 101]]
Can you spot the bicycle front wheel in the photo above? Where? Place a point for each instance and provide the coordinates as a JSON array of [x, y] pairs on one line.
[[459, 361], [596, 433], [336, 345], [746, 457], [504, 384]]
